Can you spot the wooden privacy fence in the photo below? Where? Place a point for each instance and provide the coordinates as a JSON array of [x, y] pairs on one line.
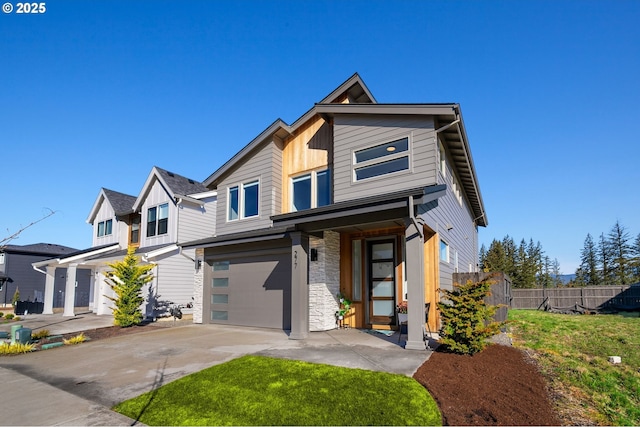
[[593, 297]]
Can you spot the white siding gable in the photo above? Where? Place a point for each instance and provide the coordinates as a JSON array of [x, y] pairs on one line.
[[157, 196], [104, 214]]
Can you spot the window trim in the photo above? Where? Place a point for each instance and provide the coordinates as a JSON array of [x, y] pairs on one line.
[[446, 251], [385, 158], [442, 159], [156, 221], [103, 226], [241, 208], [313, 176]]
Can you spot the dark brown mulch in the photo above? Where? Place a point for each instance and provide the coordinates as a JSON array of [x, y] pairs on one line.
[[498, 386]]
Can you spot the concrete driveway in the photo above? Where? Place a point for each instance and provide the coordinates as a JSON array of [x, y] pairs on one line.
[[75, 385]]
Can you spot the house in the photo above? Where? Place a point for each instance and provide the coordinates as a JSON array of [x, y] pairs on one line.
[[377, 202], [169, 207], [16, 273]]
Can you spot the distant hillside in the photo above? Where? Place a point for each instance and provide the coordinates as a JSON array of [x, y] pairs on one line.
[[566, 278]]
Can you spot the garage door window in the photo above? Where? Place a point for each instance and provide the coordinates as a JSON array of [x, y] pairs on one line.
[[221, 266], [221, 282], [219, 299], [219, 315]]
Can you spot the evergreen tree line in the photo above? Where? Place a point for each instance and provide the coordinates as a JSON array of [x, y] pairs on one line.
[[611, 259], [526, 264]]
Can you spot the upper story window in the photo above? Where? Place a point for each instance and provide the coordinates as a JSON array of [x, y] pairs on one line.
[[242, 200], [457, 190], [105, 228], [158, 220], [442, 159], [311, 190], [134, 233], [382, 159]]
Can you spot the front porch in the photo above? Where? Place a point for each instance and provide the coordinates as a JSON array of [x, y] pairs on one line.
[[386, 255]]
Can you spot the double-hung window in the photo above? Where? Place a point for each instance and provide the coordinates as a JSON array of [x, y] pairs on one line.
[[105, 228], [243, 200], [382, 159], [311, 190], [158, 220]]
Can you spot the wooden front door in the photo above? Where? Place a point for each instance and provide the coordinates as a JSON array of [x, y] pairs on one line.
[[381, 260]]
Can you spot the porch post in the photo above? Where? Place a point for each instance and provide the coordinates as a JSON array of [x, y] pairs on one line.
[[299, 286], [48, 290], [415, 286], [70, 291]]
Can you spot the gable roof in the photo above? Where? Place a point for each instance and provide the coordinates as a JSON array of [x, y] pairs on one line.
[[176, 185], [121, 203], [355, 90], [39, 249]]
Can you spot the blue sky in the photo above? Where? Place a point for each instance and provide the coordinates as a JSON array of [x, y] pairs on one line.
[[95, 93]]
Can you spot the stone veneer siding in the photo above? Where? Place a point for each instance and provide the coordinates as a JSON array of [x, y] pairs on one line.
[[324, 282], [198, 289]]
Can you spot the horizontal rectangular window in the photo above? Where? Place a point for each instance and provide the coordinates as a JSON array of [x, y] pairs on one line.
[[382, 159], [385, 150], [220, 265], [220, 282], [219, 299], [219, 315]]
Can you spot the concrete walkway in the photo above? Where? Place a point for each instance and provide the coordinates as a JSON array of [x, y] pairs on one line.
[[77, 385]]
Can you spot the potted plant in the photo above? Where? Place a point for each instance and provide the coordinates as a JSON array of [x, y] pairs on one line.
[[401, 310], [344, 305]]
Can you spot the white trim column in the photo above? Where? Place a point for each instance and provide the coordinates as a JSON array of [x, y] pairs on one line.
[[49, 282], [70, 291]]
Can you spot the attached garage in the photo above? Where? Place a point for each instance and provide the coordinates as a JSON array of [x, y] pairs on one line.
[[249, 286]]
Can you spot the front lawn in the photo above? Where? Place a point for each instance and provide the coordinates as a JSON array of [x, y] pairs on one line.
[[254, 390], [574, 351]]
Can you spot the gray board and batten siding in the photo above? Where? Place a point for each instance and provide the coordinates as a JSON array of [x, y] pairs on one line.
[[265, 165]]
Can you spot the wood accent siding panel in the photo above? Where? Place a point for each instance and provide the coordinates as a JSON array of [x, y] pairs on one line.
[[462, 237], [265, 164], [156, 196], [104, 213], [357, 132], [197, 222], [310, 148]]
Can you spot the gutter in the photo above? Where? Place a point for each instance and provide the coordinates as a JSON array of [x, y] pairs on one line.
[[36, 265]]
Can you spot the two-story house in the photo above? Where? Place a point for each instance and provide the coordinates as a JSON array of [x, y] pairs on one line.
[[169, 208], [377, 202]]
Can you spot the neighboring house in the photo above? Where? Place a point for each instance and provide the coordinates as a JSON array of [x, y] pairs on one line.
[[169, 207], [378, 202], [16, 272]]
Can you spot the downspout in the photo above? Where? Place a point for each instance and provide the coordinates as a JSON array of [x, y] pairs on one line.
[[42, 271]]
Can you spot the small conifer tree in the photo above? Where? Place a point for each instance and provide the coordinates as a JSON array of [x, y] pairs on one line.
[[466, 318], [127, 279], [16, 296]]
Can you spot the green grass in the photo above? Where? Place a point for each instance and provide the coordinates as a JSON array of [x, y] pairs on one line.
[[254, 390], [574, 350]]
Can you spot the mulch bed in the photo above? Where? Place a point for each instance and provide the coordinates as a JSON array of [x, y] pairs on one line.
[[501, 385]]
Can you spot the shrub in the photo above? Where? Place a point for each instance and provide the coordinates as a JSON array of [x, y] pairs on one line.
[[16, 348], [9, 316], [75, 340], [466, 318], [1, 314], [16, 297], [17, 318], [43, 333], [127, 279]]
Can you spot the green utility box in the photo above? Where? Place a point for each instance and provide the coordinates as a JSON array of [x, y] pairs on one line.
[[23, 336], [14, 328]]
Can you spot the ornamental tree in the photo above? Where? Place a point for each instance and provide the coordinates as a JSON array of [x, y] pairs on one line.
[[126, 280], [466, 318]]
